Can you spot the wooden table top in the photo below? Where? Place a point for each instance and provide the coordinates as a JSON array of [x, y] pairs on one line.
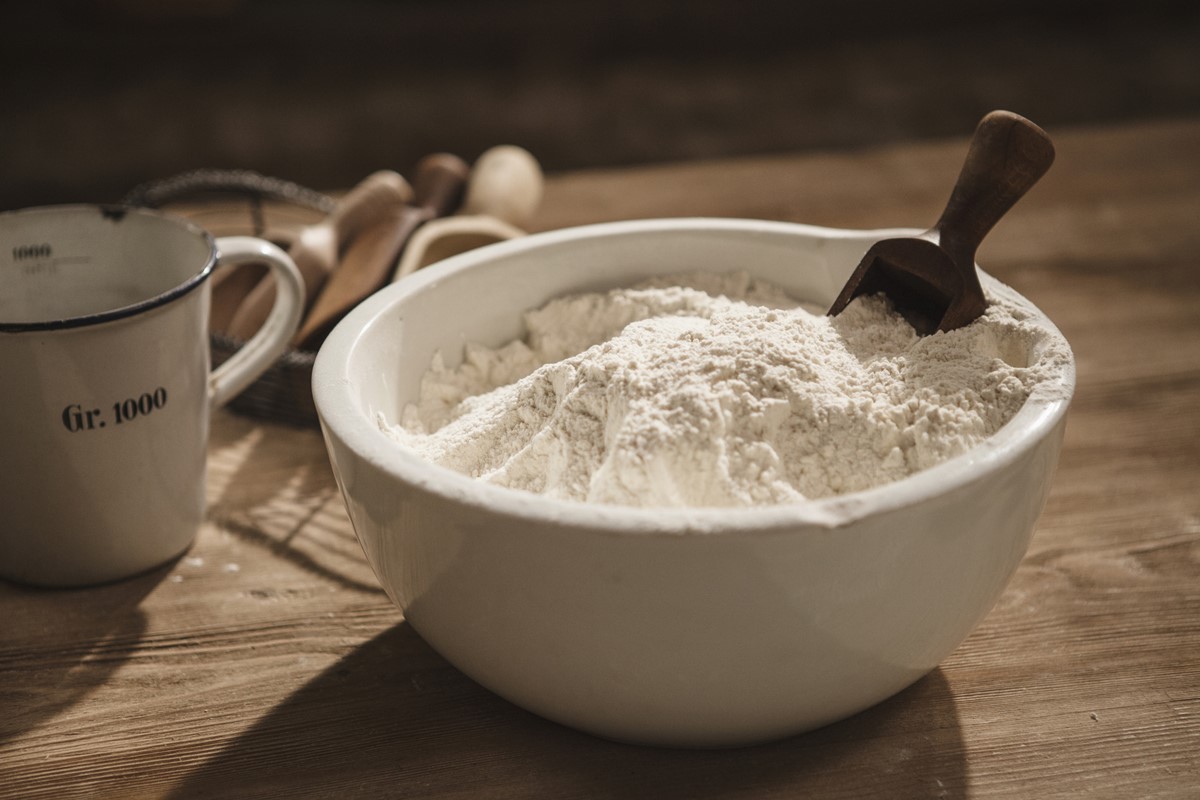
[[266, 662]]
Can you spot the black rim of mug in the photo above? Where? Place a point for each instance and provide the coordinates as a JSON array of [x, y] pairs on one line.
[[117, 213]]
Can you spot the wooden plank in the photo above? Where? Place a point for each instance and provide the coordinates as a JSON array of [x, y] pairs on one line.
[[267, 662]]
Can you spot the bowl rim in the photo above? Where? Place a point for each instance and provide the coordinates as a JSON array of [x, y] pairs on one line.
[[341, 414]]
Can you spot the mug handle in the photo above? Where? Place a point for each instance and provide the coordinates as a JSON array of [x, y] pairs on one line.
[[261, 350]]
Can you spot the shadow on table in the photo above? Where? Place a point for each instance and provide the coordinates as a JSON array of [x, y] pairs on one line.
[[394, 719], [273, 488], [59, 645]]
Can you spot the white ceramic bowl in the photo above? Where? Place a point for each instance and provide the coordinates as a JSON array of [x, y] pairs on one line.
[[690, 627]]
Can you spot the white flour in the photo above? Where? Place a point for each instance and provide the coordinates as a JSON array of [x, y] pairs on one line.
[[705, 390]]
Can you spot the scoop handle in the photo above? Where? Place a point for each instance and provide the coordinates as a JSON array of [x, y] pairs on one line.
[[1008, 155]]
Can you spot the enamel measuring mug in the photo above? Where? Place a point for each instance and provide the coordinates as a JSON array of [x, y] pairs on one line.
[[106, 388]]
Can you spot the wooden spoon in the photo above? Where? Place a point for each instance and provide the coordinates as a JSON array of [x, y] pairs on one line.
[[931, 279], [317, 248], [502, 194], [367, 264]]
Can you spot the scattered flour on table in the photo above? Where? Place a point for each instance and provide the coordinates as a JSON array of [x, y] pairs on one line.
[[719, 390]]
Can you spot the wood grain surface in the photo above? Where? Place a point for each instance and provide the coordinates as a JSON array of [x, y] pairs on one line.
[[266, 662]]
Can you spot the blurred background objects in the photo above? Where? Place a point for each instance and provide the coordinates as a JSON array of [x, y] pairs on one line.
[[101, 95]]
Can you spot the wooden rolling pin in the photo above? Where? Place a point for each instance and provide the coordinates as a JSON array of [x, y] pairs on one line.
[[368, 262]]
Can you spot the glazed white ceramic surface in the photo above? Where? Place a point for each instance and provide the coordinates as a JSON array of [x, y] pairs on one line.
[[105, 391], [688, 627]]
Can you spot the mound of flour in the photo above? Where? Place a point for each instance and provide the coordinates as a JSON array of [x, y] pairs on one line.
[[703, 390]]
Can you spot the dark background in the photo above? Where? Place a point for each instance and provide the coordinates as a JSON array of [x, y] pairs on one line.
[[99, 95]]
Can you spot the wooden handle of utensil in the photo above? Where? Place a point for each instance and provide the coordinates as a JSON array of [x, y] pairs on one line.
[[439, 182], [371, 253], [318, 246], [367, 264], [506, 182], [1008, 155], [367, 203]]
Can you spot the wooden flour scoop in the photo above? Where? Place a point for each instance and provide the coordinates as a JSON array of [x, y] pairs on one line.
[[931, 279]]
